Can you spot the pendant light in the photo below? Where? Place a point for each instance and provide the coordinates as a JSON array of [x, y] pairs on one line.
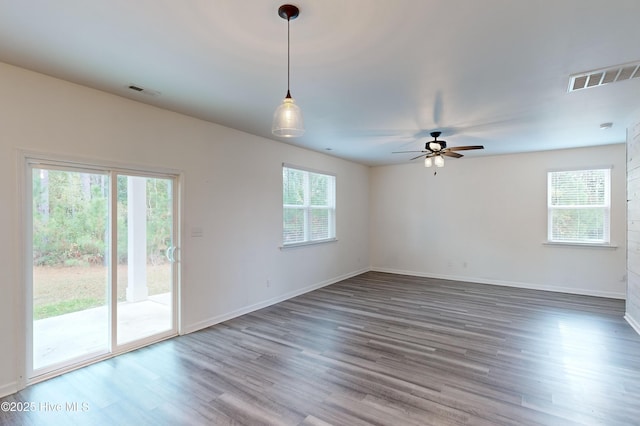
[[287, 120]]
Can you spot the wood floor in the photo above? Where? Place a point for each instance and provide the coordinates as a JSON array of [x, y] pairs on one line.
[[374, 349]]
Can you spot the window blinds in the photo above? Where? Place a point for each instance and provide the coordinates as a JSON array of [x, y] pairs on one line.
[[579, 206], [308, 206]]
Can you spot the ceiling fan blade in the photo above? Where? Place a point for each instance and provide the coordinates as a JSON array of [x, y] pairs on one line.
[[422, 155], [402, 152], [465, 148], [452, 154]]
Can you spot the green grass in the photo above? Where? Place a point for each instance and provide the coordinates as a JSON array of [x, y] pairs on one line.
[[65, 307], [65, 289]]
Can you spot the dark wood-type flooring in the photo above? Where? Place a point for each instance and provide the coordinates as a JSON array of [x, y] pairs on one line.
[[374, 349]]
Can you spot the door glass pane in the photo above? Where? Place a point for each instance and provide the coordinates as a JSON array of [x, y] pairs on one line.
[[145, 254], [70, 274]]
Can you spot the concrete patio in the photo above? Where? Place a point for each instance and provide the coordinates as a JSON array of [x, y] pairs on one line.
[[77, 334]]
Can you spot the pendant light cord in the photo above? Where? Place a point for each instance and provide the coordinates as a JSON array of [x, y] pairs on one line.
[[288, 58]]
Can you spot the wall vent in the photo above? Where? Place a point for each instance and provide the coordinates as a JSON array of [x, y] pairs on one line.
[[603, 76]]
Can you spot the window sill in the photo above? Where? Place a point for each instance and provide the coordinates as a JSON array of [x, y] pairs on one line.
[[307, 243], [587, 245]]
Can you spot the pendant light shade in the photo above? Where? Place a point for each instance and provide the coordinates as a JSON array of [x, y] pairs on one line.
[[427, 161], [287, 119], [438, 161]]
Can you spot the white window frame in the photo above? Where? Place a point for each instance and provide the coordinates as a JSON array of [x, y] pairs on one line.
[[606, 231], [308, 208]]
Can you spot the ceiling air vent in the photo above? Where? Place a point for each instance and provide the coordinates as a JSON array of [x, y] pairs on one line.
[[142, 90], [603, 76]]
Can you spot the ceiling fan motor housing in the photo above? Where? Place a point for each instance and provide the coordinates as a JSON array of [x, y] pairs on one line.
[[442, 144]]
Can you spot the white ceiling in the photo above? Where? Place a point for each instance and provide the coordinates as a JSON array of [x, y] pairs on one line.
[[371, 76]]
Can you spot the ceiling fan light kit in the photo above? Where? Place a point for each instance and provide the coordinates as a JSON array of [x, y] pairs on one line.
[[436, 160], [287, 119]]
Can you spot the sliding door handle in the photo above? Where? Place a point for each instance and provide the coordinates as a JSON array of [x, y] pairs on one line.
[[170, 252]]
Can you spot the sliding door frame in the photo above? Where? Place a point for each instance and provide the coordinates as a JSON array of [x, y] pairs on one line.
[[26, 161]]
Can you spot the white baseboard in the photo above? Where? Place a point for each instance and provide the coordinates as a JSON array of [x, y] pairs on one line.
[[248, 309], [529, 286], [8, 389], [633, 323]]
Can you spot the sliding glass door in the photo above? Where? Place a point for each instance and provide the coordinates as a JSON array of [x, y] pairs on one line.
[[104, 265], [146, 257], [70, 251]]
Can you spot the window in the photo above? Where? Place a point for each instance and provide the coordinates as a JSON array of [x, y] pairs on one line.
[[309, 206], [579, 203]]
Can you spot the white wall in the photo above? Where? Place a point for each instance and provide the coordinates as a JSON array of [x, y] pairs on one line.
[[484, 219], [632, 311], [232, 191]]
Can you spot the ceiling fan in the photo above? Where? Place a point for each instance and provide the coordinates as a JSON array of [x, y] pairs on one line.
[[434, 151]]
